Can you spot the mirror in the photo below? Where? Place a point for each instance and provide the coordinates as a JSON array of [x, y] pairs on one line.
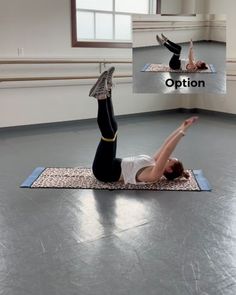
[[176, 7]]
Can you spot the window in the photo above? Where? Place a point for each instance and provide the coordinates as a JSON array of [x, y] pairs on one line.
[[104, 23]]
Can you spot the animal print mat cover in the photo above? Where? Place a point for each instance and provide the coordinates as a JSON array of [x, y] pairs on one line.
[[82, 178], [166, 68]]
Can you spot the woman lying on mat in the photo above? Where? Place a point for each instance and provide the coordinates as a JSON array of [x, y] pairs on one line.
[[139, 169], [175, 62]]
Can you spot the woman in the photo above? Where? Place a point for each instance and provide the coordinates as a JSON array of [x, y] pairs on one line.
[[135, 170], [175, 62]]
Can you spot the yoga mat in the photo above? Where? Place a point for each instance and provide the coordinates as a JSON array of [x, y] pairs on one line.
[[166, 68], [82, 178]]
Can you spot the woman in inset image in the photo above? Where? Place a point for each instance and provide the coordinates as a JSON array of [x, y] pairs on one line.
[[138, 169], [181, 64]]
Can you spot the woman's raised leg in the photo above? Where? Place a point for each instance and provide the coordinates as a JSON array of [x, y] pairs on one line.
[[171, 46], [106, 167]]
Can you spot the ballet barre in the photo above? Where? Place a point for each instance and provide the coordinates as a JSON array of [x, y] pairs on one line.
[[20, 79]]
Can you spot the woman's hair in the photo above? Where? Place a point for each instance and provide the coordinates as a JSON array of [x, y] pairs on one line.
[[202, 65], [177, 171]]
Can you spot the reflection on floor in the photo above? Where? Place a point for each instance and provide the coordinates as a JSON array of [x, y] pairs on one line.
[[152, 82], [89, 242]]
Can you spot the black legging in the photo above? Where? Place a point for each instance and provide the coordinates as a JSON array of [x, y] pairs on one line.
[[175, 63], [106, 167]]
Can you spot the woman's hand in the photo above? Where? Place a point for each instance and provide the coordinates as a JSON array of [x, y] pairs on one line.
[[191, 43], [187, 123]]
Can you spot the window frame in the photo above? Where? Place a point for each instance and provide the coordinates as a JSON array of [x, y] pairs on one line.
[[97, 44]]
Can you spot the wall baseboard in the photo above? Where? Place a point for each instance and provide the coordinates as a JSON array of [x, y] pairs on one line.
[[182, 43], [86, 122], [214, 113]]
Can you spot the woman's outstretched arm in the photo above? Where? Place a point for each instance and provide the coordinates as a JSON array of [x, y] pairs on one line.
[[191, 54], [168, 147], [167, 140]]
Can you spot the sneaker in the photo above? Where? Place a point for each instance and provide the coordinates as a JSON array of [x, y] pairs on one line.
[[159, 40], [110, 72], [99, 89], [164, 37]]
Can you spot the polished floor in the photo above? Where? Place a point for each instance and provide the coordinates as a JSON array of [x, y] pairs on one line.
[[152, 82], [57, 242]]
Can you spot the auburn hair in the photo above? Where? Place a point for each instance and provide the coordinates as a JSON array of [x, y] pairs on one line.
[[177, 171], [203, 66]]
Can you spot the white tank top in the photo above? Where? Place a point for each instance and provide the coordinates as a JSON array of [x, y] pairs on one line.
[[131, 165], [184, 63]]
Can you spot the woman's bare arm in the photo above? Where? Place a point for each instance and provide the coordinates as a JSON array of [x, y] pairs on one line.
[[158, 170], [168, 139], [191, 62], [168, 148]]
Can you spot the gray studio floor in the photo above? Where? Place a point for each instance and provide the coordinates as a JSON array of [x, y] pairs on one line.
[[153, 82], [57, 242]]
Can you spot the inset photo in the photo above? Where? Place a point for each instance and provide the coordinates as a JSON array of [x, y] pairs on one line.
[[180, 54]]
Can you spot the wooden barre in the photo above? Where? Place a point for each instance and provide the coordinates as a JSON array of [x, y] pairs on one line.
[[61, 61], [20, 79], [166, 28], [231, 75]]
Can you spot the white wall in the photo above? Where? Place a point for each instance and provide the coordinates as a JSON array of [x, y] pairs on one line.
[[180, 29], [23, 106], [42, 29], [178, 7], [188, 6], [169, 6], [217, 30], [223, 103], [227, 7], [202, 6]]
